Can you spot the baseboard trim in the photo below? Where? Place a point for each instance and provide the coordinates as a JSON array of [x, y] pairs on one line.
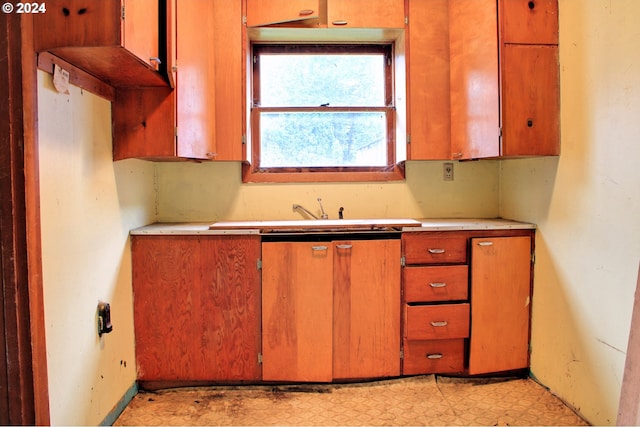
[[120, 406]]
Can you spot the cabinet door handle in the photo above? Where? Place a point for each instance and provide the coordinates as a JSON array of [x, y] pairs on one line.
[[306, 12], [434, 356], [436, 251], [319, 248], [344, 246], [485, 243], [438, 284], [340, 22], [439, 324]]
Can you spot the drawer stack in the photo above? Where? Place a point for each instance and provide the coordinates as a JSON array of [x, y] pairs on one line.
[[435, 303]]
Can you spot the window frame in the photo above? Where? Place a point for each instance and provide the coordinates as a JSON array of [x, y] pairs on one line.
[[253, 172]]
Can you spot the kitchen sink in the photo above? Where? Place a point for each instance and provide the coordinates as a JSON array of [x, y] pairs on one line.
[[318, 225]]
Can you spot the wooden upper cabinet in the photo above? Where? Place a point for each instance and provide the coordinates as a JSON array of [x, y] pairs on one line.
[[209, 79], [428, 80], [530, 100], [505, 94], [529, 21], [475, 102], [202, 117], [366, 13], [270, 12], [117, 41]]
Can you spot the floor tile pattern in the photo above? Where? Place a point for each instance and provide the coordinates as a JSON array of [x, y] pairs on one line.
[[424, 400]]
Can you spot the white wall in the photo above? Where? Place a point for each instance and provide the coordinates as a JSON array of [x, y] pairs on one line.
[[88, 206], [214, 192], [587, 207]]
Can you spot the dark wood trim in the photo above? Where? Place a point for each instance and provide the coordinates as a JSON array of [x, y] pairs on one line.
[[77, 77], [34, 245], [25, 400]]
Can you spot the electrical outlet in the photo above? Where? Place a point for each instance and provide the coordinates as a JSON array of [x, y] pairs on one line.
[[447, 171]]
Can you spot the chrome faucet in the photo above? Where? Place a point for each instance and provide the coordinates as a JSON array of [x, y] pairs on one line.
[[302, 208]]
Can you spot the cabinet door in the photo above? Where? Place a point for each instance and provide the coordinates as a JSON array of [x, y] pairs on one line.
[[530, 100], [196, 307], [269, 12], [209, 79], [529, 22], [428, 69], [365, 13], [140, 29], [366, 309], [500, 304], [475, 104], [297, 314]]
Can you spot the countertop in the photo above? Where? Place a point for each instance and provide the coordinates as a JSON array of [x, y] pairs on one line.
[[427, 224]]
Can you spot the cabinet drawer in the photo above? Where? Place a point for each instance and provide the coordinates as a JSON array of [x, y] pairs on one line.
[[433, 357], [441, 283], [529, 22], [423, 249], [433, 322]]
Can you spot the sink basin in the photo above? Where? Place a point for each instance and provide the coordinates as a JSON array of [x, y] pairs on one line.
[[308, 225]]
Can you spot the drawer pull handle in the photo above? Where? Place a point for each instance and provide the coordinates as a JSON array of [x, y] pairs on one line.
[[340, 22], [439, 324], [319, 248], [306, 12], [438, 285], [436, 251], [434, 356], [485, 243], [344, 246]]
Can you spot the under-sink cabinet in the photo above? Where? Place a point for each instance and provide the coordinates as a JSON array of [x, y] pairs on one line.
[[330, 309]]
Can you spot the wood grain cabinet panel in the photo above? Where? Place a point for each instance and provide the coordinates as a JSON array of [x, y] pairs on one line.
[[434, 356], [269, 12], [436, 283], [366, 13], [529, 21], [428, 79], [366, 309], [422, 248], [297, 313], [530, 100], [196, 308], [500, 304], [434, 322]]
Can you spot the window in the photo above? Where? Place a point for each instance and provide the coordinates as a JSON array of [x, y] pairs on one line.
[[322, 113]]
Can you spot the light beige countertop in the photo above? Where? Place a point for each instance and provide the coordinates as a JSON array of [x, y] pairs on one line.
[[452, 224], [255, 227]]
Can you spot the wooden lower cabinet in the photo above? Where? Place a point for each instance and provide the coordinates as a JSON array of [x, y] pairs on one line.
[[366, 309], [330, 310], [500, 304], [466, 311], [196, 308], [297, 297]]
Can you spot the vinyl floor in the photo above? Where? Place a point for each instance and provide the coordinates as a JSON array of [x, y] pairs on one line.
[[423, 400]]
